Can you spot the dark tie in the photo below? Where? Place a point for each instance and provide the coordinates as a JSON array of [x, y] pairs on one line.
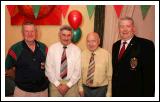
[[63, 70], [91, 69], [121, 51]]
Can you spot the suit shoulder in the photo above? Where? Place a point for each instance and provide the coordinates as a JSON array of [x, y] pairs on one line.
[[17, 45], [144, 41], [41, 44], [117, 42]]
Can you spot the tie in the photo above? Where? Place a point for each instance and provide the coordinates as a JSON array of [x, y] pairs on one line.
[[91, 69], [121, 51], [63, 70]]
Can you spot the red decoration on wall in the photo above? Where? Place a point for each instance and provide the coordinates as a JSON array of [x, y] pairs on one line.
[[64, 9], [12, 10], [45, 10], [48, 14], [118, 9], [26, 10]]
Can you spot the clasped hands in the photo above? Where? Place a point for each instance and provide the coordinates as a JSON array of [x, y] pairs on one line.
[[63, 88]]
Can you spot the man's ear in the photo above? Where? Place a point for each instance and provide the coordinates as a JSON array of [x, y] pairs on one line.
[[37, 35], [71, 34], [59, 33], [99, 41], [134, 29], [22, 33]]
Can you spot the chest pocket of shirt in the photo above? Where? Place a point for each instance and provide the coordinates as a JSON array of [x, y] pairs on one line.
[[29, 64], [101, 66]]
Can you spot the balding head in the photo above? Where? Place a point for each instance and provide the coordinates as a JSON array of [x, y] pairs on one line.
[[93, 34], [93, 41]]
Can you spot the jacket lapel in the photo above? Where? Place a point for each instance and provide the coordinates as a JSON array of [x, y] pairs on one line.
[[130, 45], [117, 50]]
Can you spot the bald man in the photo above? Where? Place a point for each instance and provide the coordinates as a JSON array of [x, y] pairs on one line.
[[96, 69]]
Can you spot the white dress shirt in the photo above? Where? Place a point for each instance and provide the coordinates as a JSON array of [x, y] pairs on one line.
[[126, 45], [53, 64]]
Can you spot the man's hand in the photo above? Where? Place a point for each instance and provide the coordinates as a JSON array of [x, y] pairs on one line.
[[10, 73], [63, 88], [59, 89], [81, 93]]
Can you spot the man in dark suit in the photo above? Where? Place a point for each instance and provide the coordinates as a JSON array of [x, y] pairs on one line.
[[133, 60]]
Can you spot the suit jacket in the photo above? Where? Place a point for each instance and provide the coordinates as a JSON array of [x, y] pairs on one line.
[[134, 73]]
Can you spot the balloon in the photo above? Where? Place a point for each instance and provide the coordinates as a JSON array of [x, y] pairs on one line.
[[75, 19], [76, 35]]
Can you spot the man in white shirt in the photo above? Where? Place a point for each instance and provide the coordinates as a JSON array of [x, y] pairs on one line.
[[63, 65]]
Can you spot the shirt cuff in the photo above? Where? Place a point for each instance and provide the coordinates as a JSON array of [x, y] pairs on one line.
[[80, 88], [56, 83], [69, 84]]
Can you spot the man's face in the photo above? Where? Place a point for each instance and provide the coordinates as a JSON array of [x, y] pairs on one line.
[[29, 33], [65, 37], [126, 29], [92, 42]]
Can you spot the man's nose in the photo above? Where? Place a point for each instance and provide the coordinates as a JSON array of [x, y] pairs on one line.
[[125, 29], [66, 38], [29, 33]]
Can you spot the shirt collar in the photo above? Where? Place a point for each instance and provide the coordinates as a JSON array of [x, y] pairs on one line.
[[95, 52], [25, 44], [128, 41], [68, 46]]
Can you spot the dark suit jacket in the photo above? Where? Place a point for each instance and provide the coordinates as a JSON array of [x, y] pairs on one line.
[[128, 81]]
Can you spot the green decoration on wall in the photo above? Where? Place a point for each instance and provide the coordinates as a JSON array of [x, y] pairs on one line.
[[90, 9], [36, 10], [144, 10]]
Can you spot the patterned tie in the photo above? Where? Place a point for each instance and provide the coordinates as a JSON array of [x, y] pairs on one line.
[[91, 69], [121, 51], [63, 70]]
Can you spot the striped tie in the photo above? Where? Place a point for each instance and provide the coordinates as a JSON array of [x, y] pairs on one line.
[[63, 70], [91, 69], [122, 51]]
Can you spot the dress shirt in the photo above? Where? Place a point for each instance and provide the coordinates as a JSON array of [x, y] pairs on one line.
[[103, 69], [126, 45], [53, 64]]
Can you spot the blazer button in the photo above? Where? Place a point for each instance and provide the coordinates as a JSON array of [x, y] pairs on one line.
[[34, 59]]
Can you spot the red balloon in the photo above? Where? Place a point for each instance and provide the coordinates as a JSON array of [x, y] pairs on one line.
[[75, 19]]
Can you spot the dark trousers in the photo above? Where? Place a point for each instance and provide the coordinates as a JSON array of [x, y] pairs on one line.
[[95, 91], [9, 86]]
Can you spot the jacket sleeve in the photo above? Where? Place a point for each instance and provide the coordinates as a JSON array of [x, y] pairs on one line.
[[148, 55]]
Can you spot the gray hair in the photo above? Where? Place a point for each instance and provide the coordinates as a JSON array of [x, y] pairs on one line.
[[28, 23], [65, 27], [126, 18]]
